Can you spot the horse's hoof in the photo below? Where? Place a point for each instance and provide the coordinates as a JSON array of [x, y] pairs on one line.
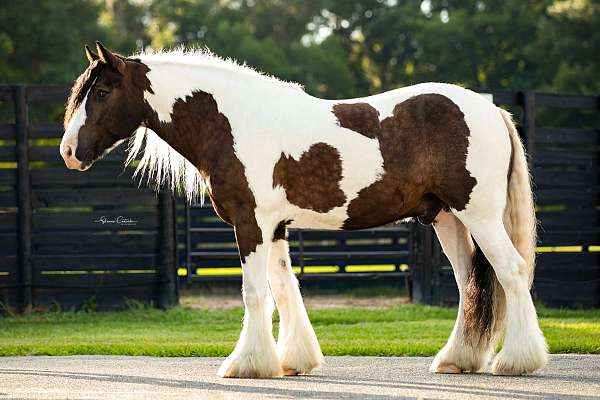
[[526, 357], [447, 368], [303, 361], [245, 366], [503, 365], [290, 372]]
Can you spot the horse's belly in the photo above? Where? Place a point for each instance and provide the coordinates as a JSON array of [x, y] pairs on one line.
[[369, 212], [307, 219], [379, 215]]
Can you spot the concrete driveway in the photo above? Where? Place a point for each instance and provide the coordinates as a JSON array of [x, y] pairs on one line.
[[108, 377]]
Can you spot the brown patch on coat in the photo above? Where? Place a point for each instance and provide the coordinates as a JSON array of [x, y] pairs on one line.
[[281, 230], [424, 147], [359, 117], [312, 182], [202, 134]]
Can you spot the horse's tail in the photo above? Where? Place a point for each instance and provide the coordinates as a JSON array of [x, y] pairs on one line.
[[485, 302], [519, 215]]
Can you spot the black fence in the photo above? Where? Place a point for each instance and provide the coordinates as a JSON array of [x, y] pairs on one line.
[[71, 239], [56, 251], [209, 253]]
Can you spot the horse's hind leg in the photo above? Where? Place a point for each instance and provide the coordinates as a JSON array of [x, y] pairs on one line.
[[297, 347], [460, 353], [524, 349]]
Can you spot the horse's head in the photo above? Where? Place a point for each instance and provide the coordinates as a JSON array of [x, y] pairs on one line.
[[105, 107]]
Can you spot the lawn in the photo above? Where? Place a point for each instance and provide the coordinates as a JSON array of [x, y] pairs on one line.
[[390, 331]]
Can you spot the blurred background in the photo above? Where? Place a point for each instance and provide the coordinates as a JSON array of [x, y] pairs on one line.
[[335, 48]]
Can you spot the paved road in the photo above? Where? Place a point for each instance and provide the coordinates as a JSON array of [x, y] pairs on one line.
[[105, 377]]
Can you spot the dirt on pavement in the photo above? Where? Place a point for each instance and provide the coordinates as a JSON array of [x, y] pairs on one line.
[[225, 302]]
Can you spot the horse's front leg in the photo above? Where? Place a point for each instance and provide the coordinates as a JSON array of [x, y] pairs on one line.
[[297, 345], [255, 354]]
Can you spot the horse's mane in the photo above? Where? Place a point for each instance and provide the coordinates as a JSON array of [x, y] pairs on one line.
[[203, 57], [163, 165]]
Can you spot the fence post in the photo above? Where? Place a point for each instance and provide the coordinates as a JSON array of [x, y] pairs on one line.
[[168, 294], [301, 253], [23, 198], [422, 264], [529, 123], [188, 242]]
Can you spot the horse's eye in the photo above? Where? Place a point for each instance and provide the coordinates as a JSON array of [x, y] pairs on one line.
[[102, 93]]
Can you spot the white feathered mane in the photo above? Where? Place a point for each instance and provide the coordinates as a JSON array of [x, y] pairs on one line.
[[162, 164]]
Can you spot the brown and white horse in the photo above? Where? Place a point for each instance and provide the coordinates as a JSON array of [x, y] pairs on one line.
[[270, 156]]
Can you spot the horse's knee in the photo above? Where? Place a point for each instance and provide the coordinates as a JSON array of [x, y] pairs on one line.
[[254, 296]]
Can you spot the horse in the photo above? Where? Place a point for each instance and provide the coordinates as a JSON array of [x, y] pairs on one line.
[[271, 157]]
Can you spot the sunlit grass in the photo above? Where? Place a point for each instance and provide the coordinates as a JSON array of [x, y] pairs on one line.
[[391, 331]]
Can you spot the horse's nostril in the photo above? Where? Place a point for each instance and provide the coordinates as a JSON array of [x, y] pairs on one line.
[[68, 151]]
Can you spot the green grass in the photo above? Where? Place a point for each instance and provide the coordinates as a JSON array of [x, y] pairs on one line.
[[400, 330]]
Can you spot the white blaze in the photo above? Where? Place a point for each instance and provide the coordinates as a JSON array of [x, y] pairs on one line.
[[72, 132], [70, 138]]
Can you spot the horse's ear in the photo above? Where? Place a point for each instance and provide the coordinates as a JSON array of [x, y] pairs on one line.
[[109, 58], [91, 56]]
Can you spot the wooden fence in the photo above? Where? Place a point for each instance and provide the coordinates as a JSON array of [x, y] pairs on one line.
[[64, 236], [209, 253], [53, 252]]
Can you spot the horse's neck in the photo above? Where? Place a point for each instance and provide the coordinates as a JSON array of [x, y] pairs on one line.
[[184, 110]]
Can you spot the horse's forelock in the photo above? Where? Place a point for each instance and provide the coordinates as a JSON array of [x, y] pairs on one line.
[[80, 88]]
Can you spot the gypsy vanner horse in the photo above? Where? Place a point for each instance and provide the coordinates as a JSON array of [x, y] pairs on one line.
[[270, 157]]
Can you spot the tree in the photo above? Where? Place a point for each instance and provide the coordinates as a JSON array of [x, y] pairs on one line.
[[38, 39], [335, 48]]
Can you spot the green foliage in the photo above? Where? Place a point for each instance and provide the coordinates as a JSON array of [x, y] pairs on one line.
[[38, 39], [393, 331], [335, 48]]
